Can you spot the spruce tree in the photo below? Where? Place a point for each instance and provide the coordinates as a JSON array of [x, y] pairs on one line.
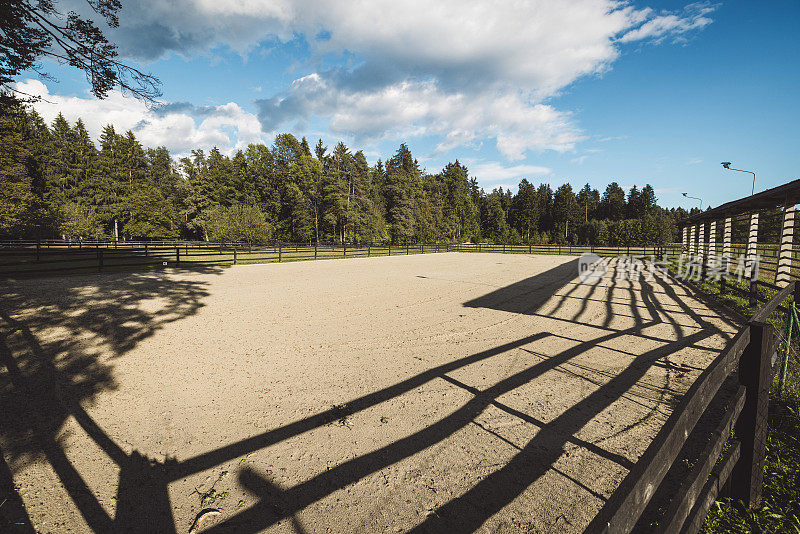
[[17, 200]]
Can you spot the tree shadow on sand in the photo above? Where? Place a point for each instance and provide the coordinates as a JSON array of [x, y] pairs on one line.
[[141, 478], [58, 341]]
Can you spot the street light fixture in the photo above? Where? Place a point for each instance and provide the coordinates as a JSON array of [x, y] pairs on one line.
[[727, 165], [695, 198]]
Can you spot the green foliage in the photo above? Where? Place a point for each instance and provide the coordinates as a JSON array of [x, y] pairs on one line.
[[133, 192], [240, 222], [80, 222], [16, 196], [32, 31], [22, 207]]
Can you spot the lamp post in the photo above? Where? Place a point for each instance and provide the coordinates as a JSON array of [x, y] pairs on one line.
[[727, 165], [695, 198]]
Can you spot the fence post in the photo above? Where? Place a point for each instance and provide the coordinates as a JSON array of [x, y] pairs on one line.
[[344, 249], [37, 251], [279, 252], [755, 374], [99, 259], [783, 269], [234, 255], [315, 250], [368, 251], [753, 288], [177, 255], [406, 249], [145, 250]]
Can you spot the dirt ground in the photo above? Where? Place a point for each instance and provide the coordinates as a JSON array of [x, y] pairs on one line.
[[431, 393]]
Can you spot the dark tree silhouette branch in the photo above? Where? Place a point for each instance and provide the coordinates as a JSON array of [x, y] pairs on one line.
[[30, 31]]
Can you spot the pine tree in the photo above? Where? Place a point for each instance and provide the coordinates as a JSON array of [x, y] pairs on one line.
[[85, 160], [107, 190], [61, 186], [402, 194], [495, 219], [612, 205], [526, 210], [460, 209], [200, 201], [588, 199], [17, 199]]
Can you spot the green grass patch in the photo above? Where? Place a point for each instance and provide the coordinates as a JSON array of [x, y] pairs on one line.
[[780, 510]]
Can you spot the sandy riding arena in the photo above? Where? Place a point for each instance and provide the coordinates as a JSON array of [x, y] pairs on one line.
[[432, 393]]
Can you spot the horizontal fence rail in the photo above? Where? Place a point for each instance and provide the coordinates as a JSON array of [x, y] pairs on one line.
[[34, 258], [749, 357]]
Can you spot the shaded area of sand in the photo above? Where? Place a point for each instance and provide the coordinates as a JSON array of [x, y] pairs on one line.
[[444, 392]]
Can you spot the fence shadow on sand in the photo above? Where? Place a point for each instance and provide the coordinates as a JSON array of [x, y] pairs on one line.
[[141, 478]]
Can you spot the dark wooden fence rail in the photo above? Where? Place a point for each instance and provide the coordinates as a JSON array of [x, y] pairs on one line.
[[26, 258], [739, 470], [55, 256]]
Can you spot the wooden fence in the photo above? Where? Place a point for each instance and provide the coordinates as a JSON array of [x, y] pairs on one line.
[[35, 259], [738, 470], [32, 258], [21, 258]]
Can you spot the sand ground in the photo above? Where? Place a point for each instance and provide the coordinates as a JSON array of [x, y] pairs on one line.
[[430, 393]]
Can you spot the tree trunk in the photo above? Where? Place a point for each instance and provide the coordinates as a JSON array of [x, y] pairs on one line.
[[116, 229]]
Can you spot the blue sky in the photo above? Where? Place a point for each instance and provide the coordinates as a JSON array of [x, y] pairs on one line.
[[579, 91]]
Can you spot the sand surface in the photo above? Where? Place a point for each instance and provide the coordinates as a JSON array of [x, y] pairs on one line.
[[432, 393]]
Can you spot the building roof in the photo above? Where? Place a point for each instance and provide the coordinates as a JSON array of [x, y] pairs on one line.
[[784, 195]]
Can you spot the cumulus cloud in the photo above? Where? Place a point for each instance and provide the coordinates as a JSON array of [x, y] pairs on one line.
[[408, 108], [227, 126], [462, 70], [540, 44], [495, 174]]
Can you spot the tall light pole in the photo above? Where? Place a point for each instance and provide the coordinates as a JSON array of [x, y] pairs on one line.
[[695, 198], [727, 165]]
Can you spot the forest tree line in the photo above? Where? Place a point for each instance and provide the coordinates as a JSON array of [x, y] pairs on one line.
[[56, 182]]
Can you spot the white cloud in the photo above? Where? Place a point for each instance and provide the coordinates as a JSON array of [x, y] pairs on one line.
[[536, 44], [408, 109], [227, 126], [670, 24], [462, 70], [495, 174]]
